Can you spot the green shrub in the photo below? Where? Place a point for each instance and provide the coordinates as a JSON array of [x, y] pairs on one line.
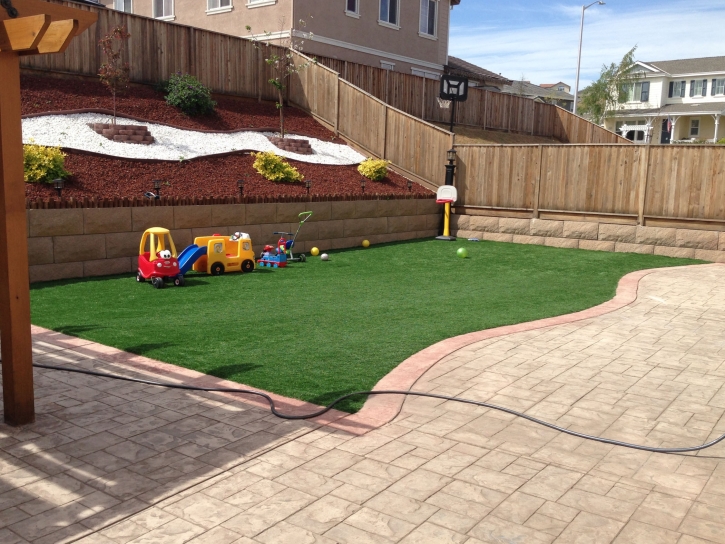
[[274, 168], [188, 94], [721, 141], [374, 169], [43, 164]]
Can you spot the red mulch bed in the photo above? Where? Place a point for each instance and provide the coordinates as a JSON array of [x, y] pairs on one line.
[[102, 177]]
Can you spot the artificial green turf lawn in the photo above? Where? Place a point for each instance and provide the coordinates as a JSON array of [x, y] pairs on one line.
[[318, 330]]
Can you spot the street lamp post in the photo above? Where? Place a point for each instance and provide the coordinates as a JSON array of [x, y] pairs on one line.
[[579, 62]]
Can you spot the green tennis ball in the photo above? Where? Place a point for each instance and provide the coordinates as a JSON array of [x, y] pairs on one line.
[[462, 252]]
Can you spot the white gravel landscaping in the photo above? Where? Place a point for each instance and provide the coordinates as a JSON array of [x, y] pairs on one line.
[[72, 132]]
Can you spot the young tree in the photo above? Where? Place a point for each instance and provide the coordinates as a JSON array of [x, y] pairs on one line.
[[283, 63], [602, 98], [114, 73]]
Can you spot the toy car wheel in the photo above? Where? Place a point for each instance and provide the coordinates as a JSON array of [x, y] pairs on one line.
[[158, 283], [179, 281], [247, 265], [276, 265], [303, 258], [217, 269], [140, 278]]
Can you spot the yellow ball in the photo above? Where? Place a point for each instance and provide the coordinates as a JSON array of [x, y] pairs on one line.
[[366, 243], [314, 252]]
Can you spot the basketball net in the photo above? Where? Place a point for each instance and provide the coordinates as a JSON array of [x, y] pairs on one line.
[[445, 104]]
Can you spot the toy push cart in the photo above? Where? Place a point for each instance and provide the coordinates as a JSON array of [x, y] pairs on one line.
[[289, 245], [157, 259]]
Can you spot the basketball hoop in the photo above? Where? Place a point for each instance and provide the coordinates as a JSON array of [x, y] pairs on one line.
[[444, 104]]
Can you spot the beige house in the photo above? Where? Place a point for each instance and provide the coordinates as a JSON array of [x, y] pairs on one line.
[[409, 36], [674, 101]]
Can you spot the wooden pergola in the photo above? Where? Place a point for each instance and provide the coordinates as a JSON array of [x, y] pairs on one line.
[[27, 27]]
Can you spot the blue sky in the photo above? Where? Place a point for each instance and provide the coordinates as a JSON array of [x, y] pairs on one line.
[[539, 39]]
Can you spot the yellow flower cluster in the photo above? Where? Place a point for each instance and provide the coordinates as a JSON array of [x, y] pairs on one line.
[[43, 164], [374, 169], [272, 167]]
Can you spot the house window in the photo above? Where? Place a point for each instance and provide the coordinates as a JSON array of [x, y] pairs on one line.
[[560, 88], [425, 73], [389, 12], [698, 87], [163, 9], [428, 13], [718, 87], [694, 127], [639, 92], [352, 7], [677, 89], [387, 65], [213, 5], [123, 5]]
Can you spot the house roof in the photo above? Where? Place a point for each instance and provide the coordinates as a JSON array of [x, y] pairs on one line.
[[549, 85], [459, 67], [704, 108], [689, 66], [525, 88]]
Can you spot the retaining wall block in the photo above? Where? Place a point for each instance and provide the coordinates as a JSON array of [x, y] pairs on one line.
[[267, 232], [123, 244], [427, 206], [397, 224], [225, 215], [209, 231], [514, 226], [530, 240], [310, 231], [543, 227], [581, 230], [433, 221], [596, 245], [562, 242], [106, 267], [258, 214], [342, 210], [417, 222], [55, 222], [104, 220], [73, 249], [609, 232], [331, 230], [50, 272], [721, 244], [459, 221], [157, 216], [182, 239], [698, 239], [710, 255], [497, 237], [189, 217], [678, 252], [484, 224], [40, 250], [656, 236], [289, 212], [366, 208], [366, 227], [624, 247], [321, 211]]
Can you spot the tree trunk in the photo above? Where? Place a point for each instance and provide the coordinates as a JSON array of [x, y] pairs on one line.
[[281, 112], [113, 92]]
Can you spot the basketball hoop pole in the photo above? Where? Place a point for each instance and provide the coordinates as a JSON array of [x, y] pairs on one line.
[[453, 113]]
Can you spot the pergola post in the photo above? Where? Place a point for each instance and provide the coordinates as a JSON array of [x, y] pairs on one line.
[[30, 27], [17, 365]]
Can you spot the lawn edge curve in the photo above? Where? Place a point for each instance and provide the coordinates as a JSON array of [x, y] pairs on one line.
[[377, 410]]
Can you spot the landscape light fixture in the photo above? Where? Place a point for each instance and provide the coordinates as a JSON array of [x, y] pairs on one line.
[[410, 186], [362, 184], [240, 186], [579, 62], [58, 184], [308, 184], [157, 188]]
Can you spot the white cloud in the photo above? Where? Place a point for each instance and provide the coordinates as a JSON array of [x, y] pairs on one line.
[[548, 53]]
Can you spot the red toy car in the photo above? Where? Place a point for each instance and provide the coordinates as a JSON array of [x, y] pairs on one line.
[[159, 263]]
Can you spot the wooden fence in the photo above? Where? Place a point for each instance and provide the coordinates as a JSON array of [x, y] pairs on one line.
[[663, 185], [486, 109]]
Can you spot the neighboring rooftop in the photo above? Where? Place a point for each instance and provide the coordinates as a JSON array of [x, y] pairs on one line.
[[528, 89], [689, 66], [460, 67]]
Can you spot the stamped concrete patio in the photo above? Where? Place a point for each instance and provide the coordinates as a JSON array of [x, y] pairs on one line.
[[113, 462]]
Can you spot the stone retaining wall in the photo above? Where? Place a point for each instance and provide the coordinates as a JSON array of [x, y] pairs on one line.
[[707, 245], [74, 243]]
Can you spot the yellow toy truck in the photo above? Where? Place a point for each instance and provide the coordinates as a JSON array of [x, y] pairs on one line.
[[217, 254]]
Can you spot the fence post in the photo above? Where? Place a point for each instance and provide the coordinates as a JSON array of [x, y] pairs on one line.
[[537, 183], [385, 134], [337, 106], [643, 186], [485, 108]]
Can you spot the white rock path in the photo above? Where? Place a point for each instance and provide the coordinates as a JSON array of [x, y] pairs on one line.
[[72, 131]]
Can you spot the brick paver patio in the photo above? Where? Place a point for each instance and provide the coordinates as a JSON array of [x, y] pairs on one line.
[[112, 462]]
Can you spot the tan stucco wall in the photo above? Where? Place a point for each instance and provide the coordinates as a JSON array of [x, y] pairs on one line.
[[74, 243]]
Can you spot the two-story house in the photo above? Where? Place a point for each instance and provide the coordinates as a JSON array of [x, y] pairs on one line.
[[409, 36], [673, 100]]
